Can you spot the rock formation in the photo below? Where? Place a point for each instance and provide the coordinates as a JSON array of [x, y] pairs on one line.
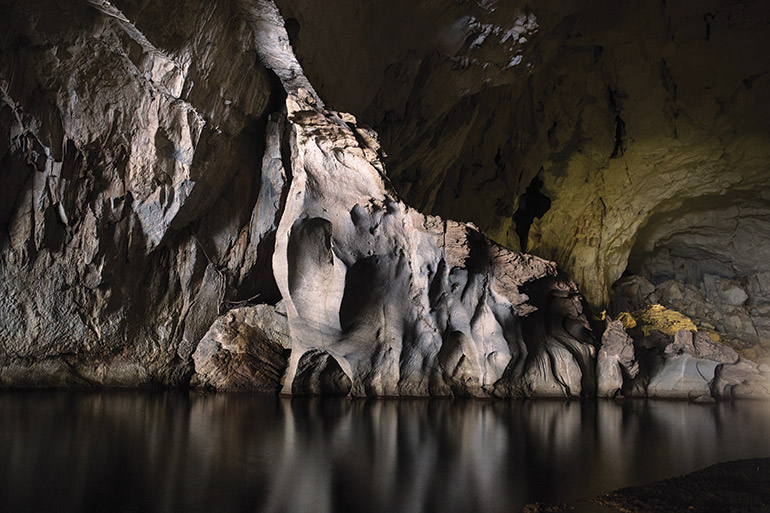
[[604, 137], [407, 304], [616, 361], [244, 350], [688, 365], [153, 179], [179, 205]]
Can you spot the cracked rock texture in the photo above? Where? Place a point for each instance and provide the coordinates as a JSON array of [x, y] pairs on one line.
[[130, 165], [244, 350], [169, 176]]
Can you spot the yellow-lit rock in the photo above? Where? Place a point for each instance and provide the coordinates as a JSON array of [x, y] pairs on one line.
[[660, 318]]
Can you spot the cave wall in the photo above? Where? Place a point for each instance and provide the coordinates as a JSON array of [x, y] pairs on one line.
[[181, 205], [130, 157], [179, 208], [630, 113]]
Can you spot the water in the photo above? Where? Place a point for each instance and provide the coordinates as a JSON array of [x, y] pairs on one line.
[[177, 452]]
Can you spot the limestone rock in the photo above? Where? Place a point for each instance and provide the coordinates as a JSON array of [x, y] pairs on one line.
[[734, 315], [724, 291], [130, 165], [688, 367], [164, 167], [244, 350], [742, 380], [701, 346], [155, 173], [615, 360], [652, 162], [632, 293], [382, 300], [695, 367], [682, 376]]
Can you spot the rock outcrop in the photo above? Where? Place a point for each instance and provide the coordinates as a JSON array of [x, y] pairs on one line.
[[642, 128], [178, 204], [129, 164], [730, 311], [616, 362], [688, 365], [408, 304], [158, 182]]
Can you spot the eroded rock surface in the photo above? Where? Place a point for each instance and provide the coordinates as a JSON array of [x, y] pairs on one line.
[[616, 361], [156, 185], [244, 350], [731, 311], [644, 125], [688, 365], [168, 175], [408, 304], [129, 168]]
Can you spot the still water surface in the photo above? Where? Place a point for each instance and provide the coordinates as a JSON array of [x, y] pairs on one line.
[[177, 452]]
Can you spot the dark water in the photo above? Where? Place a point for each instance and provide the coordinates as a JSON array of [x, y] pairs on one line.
[[178, 452]]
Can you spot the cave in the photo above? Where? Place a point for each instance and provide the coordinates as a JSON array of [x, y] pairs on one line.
[[532, 205], [370, 199]]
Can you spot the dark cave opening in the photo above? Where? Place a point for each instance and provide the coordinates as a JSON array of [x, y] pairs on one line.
[[532, 204], [292, 30]]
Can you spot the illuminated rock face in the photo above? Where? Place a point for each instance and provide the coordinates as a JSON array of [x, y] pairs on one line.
[[130, 157], [158, 180], [406, 304], [178, 205], [645, 124]]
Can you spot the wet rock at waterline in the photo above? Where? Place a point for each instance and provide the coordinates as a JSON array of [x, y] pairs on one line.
[[616, 360], [244, 350], [689, 365]]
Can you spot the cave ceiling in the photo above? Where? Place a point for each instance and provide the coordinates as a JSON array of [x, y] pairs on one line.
[[631, 115]]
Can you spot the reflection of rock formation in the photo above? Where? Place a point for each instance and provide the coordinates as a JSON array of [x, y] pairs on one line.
[[234, 452]]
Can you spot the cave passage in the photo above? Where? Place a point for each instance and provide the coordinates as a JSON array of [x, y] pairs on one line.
[[533, 204]]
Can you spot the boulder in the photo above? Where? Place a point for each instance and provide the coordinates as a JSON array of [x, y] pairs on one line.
[[741, 380], [723, 290], [245, 350], [616, 359], [682, 376], [700, 345], [695, 367]]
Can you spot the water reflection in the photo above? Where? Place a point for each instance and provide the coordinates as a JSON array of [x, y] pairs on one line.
[[65, 451]]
